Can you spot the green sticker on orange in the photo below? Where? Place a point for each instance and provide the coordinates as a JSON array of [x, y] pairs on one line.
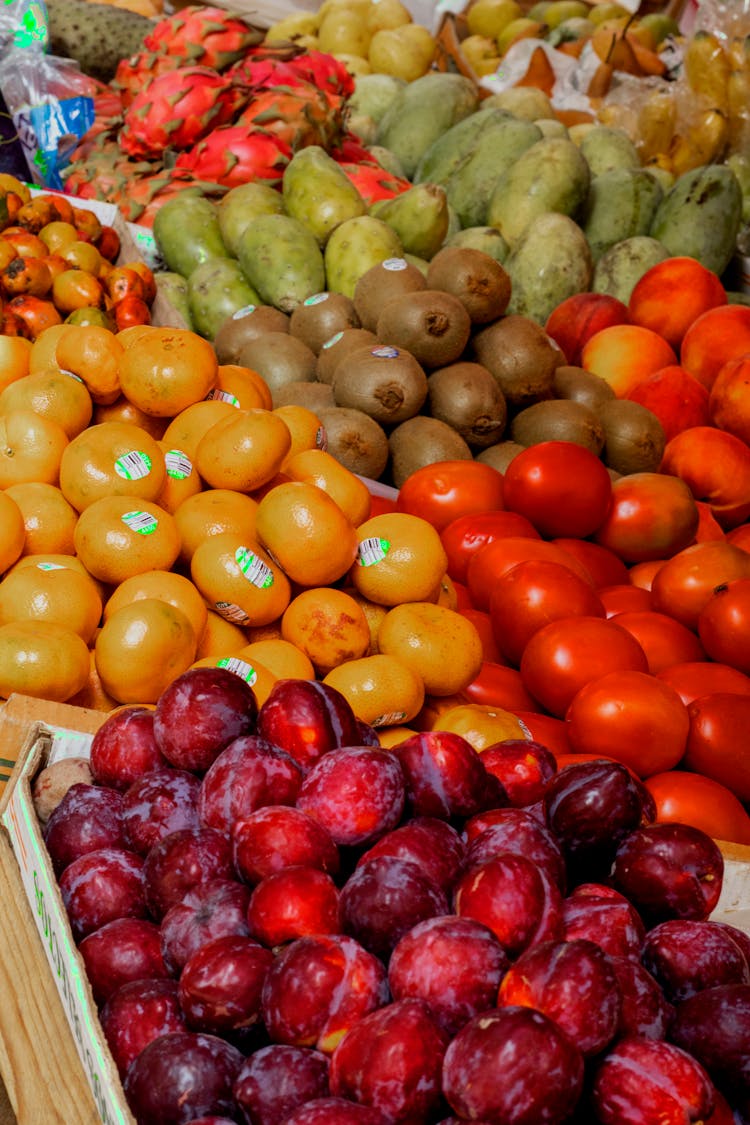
[[178, 464], [372, 550], [240, 668], [134, 465], [253, 568], [142, 522]]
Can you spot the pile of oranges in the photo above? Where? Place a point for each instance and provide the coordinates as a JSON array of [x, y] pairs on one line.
[[158, 513], [57, 264]]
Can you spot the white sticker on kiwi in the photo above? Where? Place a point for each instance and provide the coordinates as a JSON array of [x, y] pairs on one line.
[[240, 668], [372, 550], [231, 612], [395, 264], [386, 351], [134, 465], [253, 568], [178, 464], [333, 340], [244, 311], [316, 299]]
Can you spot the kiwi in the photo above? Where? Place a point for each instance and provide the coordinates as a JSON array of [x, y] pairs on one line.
[[500, 456], [385, 382], [314, 396], [381, 283], [318, 317], [633, 437], [339, 345], [279, 358], [520, 355], [479, 281], [247, 324], [558, 419], [422, 441], [434, 326], [356, 440], [467, 397], [578, 385]]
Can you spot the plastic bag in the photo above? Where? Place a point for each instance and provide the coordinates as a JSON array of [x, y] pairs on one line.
[[50, 99]]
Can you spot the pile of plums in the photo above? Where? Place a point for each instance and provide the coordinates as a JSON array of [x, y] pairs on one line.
[[284, 924]]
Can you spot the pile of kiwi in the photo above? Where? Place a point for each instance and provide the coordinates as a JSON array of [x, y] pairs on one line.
[[420, 366]]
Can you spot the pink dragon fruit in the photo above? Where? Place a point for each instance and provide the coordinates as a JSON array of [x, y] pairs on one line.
[[323, 71], [151, 192], [373, 182], [177, 109], [232, 155], [209, 36], [135, 73], [298, 115]]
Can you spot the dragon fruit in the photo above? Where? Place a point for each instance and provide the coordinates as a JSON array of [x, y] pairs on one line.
[[177, 109], [323, 71], [209, 36], [233, 155], [135, 73], [373, 182], [149, 193], [298, 115]]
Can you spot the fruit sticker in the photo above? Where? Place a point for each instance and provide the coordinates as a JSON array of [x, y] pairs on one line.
[[240, 668], [142, 522], [385, 352], [333, 340], [391, 718], [223, 396], [395, 264], [372, 550], [231, 612], [178, 464], [254, 569], [134, 465], [49, 566], [321, 438], [244, 311], [316, 299]]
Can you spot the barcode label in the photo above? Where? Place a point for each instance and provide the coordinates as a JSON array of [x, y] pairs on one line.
[[223, 396], [372, 550], [178, 464], [253, 568], [233, 613], [240, 668], [142, 522], [134, 465]]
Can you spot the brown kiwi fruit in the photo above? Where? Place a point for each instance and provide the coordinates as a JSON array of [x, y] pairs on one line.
[[633, 437], [434, 326], [317, 318], [579, 385], [479, 281], [337, 346], [558, 419], [279, 358], [383, 381], [314, 396], [500, 456], [422, 441], [467, 397], [384, 282], [247, 324], [521, 356], [356, 440]]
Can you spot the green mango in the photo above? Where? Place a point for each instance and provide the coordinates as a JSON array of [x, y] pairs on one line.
[[355, 246], [471, 185], [241, 206], [448, 150], [172, 292], [551, 175], [422, 112], [282, 261], [606, 148], [373, 94], [487, 239], [187, 233], [216, 290], [542, 278], [701, 215], [419, 216], [621, 203], [318, 193], [623, 264]]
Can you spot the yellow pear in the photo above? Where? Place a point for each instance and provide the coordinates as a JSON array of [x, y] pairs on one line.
[[344, 31], [355, 64], [560, 10], [392, 52], [387, 13], [521, 28], [291, 27], [489, 17], [477, 49]]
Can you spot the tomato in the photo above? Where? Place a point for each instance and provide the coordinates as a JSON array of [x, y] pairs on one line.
[[380, 504], [693, 679], [642, 574], [717, 744], [664, 640], [740, 536], [497, 685], [632, 717], [602, 564], [551, 732], [685, 583], [565, 655], [495, 559], [483, 625], [445, 490], [708, 525], [530, 595], [562, 487], [724, 624], [691, 798], [652, 516], [624, 598], [463, 537]]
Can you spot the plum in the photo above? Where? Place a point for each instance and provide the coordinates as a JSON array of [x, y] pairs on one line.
[[714, 1026], [335, 1111], [135, 1014], [160, 802], [428, 841], [645, 1009], [101, 886], [220, 986], [514, 897], [356, 792], [686, 956], [124, 748], [181, 1076], [276, 1079], [640, 1081], [248, 773], [445, 776], [123, 950], [384, 897], [88, 817], [279, 836], [292, 903], [182, 860], [522, 766], [669, 871], [214, 909], [307, 718], [601, 914], [199, 713], [518, 831]]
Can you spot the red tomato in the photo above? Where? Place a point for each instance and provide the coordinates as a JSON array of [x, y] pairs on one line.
[[495, 559], [717, 744], [694, 679], [691, 798], [624, 598], [652, 516], [724, 624], [551, 732], [445, 490], [664, 640], [483, 625], [602, 564], [497, 685], [642, 574], [380, 504], [565, 655], [463, 537], [708, 525], [532, 594], [684, 584], [562, 487], [740, 536], [632, 717]]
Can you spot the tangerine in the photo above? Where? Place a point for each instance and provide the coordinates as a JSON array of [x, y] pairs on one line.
[[242, 387], [213, 512], [12, 531], [141, 648], [93, 354], [239, 579], [382, 690], [188, 427], [316, 466], [400, 558], [165, 585], [439, 644], [51, 592], [307, 532], [481, 725], [328, 626], [118, 536], [15, 359], [42, 659], [219, 637], [51, 394], [243, 451], [122, 410], [165, 370], [111, 459], [49, 520], [181, 481], [285, 660], [31, 448]]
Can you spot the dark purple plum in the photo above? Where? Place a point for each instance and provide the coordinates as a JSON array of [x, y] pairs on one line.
[[217, 908], [121, 951], [181, 1076], [101, 886], [686, 956], [669, 871], [200, 713], [384, 897], [714, 1026], [431, 843], [181, 861], [517, 831], [307, 718], [160, 802], [276, 1079], [220, 986], [137, 1013], [88, 817], [445, 776]]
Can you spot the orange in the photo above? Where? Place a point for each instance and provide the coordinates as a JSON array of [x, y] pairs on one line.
[[122, 410], [59, 558], [260, 679], [52, 394], [12, 531], [15, 358], [44, 347], [282, 658], [439, 644], [306, 531], [118, 536], [348, 490], [42, 659], [242, 387], [446, 593], [392, 736], [400, 559], [141, 648], [93, 354], [166, 369], [92, 694], [243, 451], [374, 615], [481, 726], [31, 448], [181, 480], [48, 518], [219, 637], [213, 512], [111, 459], [306, 428], [381, 690], [167, 586], [239, 579], [188, 427], [328, 626], [51, 592]]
